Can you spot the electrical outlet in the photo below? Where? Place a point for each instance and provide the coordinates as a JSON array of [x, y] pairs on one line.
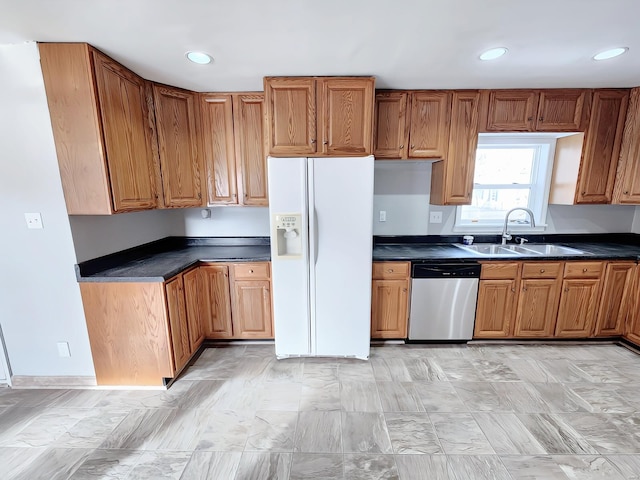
[[383, 215], [63, 349], [34, 220], [435, 217]]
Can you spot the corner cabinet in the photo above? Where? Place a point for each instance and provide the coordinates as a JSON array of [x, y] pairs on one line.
[[616, 297], [452, 178], [104, 131], [390, 299], [233, 141], [627, 184], [177, 125], [319, 116]]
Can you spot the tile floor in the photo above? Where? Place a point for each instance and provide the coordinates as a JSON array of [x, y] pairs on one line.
[[411, 412]]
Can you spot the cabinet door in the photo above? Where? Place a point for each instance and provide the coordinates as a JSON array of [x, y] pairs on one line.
[[389, 300], [219, 148], [251, 161], [291, 115], [252, 309], [632, 327], [561, 110], [217, 301], [390, 131], [194, 294], [175, 111], [537, 308], [124, 111], [429, 130], [178, 322], [512, 110], [614, 303], [602, 146], [627, 185], [496, 308], [452, 178], [345, 116], [578, 307]]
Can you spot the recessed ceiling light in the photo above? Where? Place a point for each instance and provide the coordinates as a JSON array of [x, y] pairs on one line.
[[613, 52], [493, 53], [199, 57]]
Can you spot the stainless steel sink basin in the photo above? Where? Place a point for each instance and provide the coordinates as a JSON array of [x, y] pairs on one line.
[[497, 250]]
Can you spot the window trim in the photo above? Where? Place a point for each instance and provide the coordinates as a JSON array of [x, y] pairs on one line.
[[543, 172]]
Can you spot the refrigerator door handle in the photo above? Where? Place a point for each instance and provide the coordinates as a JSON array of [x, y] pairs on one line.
[[313, 219]]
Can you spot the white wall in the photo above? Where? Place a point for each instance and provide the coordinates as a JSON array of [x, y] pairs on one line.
[[94, 235], [402, 190], [39, 295], [227, 222]]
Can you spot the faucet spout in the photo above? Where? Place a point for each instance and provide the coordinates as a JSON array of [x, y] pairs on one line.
[[505, 235]]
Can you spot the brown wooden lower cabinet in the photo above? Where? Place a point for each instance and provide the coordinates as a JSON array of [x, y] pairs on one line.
[[496, 308], [616, 294], [578, 307], [390, 299], [217, 301], [632, 327], [537, 307], [178, 323], [193, 290]]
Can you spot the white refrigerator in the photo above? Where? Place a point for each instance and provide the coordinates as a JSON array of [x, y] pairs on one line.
[[321, 213]]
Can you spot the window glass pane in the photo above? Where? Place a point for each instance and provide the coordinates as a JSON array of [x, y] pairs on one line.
[[489, 204], [504, 166]]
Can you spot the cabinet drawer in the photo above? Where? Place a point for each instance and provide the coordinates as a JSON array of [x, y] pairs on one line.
[[251, 270], [583, 269], [497, 271], [541, 270], [390, 270]]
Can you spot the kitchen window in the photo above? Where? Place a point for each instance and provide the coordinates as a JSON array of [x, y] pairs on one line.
[[509, 172]]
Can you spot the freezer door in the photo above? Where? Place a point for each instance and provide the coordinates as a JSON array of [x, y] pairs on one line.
[[341, 230], [290, 274]]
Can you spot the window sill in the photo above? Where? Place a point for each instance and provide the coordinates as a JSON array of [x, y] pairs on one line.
[[497, 229]]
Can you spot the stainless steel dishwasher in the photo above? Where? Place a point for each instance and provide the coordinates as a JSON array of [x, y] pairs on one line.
[[443, 301]]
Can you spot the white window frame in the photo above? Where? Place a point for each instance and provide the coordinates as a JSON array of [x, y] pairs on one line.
[[541, 182]]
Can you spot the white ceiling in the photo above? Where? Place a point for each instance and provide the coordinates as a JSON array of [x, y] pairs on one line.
[[404, 43]]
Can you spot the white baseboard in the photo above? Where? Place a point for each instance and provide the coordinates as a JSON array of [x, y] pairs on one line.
[[27, 381]]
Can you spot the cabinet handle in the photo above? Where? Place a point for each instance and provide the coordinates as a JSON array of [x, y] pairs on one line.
[[542, 270]]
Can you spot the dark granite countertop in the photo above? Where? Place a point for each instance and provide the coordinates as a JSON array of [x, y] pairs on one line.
[[160, 260]]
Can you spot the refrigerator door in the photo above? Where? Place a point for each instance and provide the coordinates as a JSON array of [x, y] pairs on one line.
[[290, 273], [341, 232]]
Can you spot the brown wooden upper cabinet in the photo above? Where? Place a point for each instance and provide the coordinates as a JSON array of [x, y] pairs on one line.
[[452, 178], [180, 162], [412, 124], [550, 110], [319, 116], [627, 183], [103, 130], [233, 141], [585, 163]]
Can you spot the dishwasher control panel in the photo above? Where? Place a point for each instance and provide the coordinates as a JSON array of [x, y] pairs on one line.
[[445, 270]]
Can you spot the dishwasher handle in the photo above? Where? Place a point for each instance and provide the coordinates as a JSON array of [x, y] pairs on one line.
[[446, 270]]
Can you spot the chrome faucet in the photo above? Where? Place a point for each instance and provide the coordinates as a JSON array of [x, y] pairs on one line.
[[506, 236]]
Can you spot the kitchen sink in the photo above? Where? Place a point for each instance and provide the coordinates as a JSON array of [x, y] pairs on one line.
[[498, 250]]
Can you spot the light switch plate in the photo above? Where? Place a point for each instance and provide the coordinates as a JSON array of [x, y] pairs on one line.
[[383, 215], [63, 349], [34, 220]]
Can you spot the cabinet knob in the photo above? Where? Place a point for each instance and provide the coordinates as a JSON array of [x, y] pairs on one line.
[[250, 271], [541, 119], [325, 142], [566, 289], [584, 270], [390, 270], [313, 140], [199, 196], [524, 289], [513, 290], [401, 146], [583, 193], [404, 290], [412, 147], [626, 193], [529, 119], [542, 270]]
